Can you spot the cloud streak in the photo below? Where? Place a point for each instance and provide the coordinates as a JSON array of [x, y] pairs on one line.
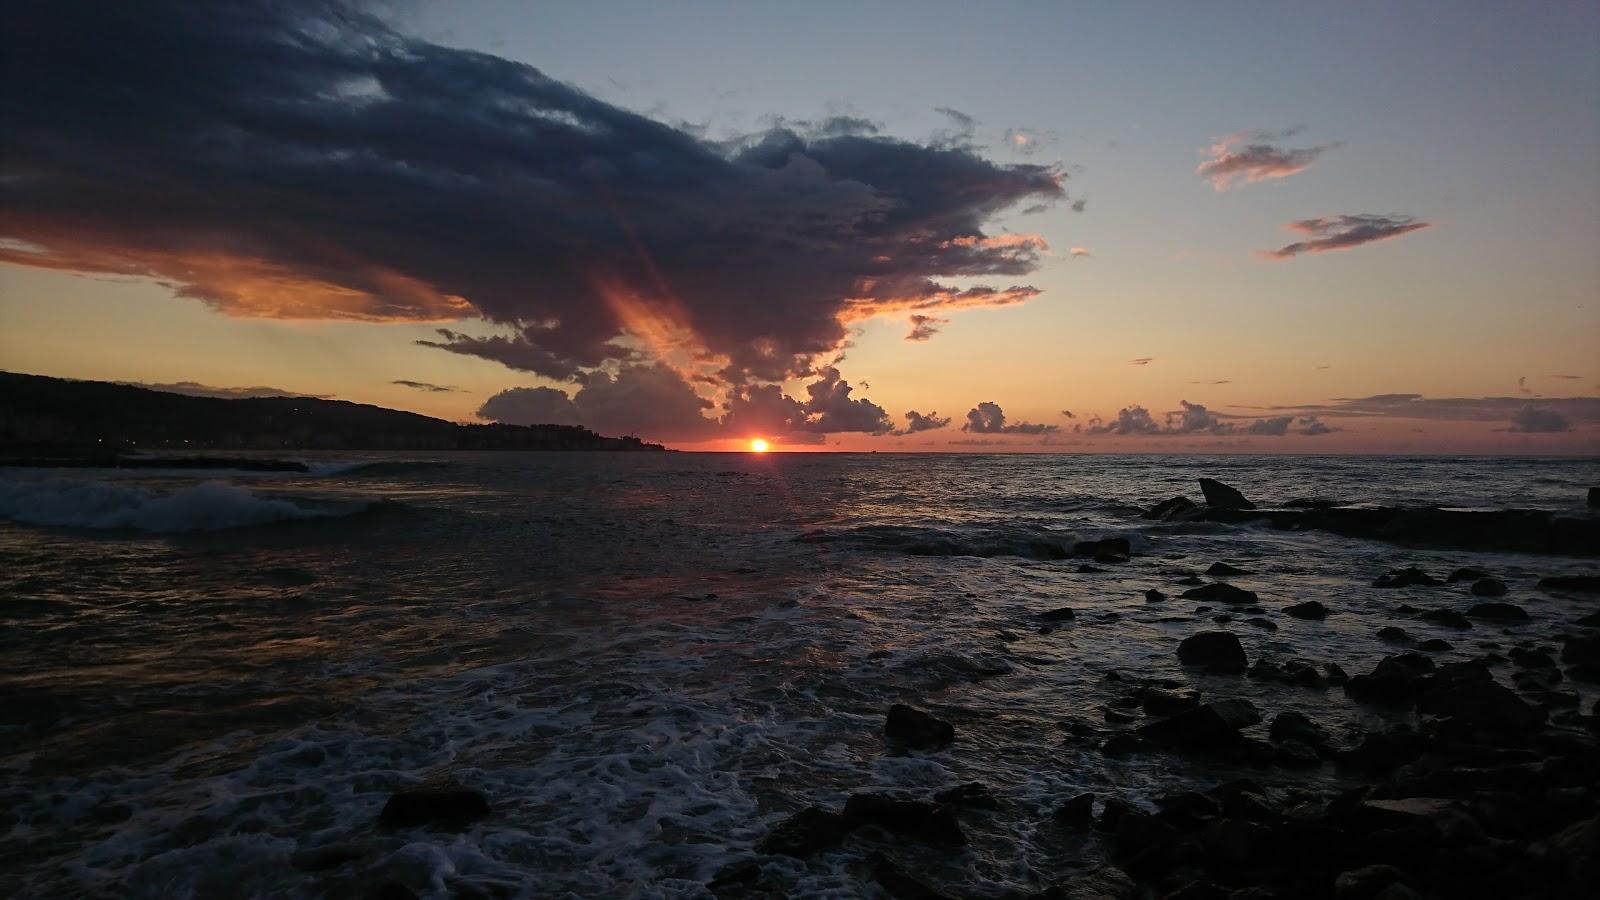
[[1330, 233], [1252, 156], [426, 387]]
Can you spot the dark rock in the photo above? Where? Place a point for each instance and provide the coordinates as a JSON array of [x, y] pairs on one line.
[[1115, 717], [1335, 674], [1449, 618], [972, 795], [1171, 509], [1434, 645], [1221, 592], [1505, 612], [1470, 696], [736, 874], [1222, 570], [1261, 622], [328, 856], [806, 832], [444, 808], [1295, 726], [1594, 498], [1218, 651], [1311, 609], [1384, 751], [1075, 813], [1064, 614], [1087, 569], [1365, 883], [1154, 596], [1296, 755], [1392, 683], [391, 890], [1104, 883], [1159, 702], [1391, 634], [1592, 620], [1207, 727], [1488, 587], [896, 883], [1120, 745], [1118, 547], [1191, 579], [1407, 577], [1533, 659], [927, 822], [1221, 496], [916, 729], [1583, 650], [1585, 584], [1466, 575]]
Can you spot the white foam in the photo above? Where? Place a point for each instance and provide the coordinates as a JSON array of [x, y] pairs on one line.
[[207, 506]]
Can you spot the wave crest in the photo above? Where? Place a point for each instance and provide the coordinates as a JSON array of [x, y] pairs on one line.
[[209, 506]]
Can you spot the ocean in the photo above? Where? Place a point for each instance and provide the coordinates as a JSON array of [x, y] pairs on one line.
[[645, 662]]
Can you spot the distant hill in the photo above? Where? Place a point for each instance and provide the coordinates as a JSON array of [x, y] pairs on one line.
[[56, 414]]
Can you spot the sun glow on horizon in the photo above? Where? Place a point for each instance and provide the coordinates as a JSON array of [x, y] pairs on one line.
[[758, 445]]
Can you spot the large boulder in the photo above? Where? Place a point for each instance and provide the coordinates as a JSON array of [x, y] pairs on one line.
[[911, 727], [806, 832], [1171, 509], [1221, 496], [1468, 694], [929, 823], [1503, 612], [1207, 727], [1218, 651], [444, 808], [1311, 609], [1392, 683], [1222, 592]]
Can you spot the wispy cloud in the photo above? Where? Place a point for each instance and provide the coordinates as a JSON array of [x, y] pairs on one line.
[[195, 389], [425, 386], [1344, 233], [1141, 361], [1250, 156], [925, 327]]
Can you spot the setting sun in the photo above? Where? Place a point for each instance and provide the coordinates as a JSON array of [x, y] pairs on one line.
[[758, 445]]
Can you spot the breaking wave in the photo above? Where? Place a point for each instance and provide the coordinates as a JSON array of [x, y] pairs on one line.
[[208, 506]]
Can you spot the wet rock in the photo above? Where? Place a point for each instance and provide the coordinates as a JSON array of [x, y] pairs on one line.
[[1503, 612], [1189, 580], [1466, 693], [1594, 498], [1221, 592], [916, 729], [1075, 813], [1110, 547], [1592, 620], [1311, 609], [1218, 651], [1114, 717], [1434, 645], [1121, 745], [1221, 496], [1064, 614], [1407, 577], [1296, 755], [1533, 658], [1583, 650], [443, 808], [1171, 509], [1087, 569], [1392, 683], [1222, 570], [1384, 751], [1488, 587], [929, 823], [1466, 574], [1207, 727], [1104, 883], [735, 875], [391, 890], [896, 883], [972, 795], [1263, 623], [1585, 584], [1154, 596], [1365, 883], [1449, 618], [806, 832], [1159, 702], [1335, 673], [1297, 726], [1392, 634], [329, 856]]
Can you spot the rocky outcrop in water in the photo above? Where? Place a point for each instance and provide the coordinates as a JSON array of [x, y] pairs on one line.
[[913, 728]]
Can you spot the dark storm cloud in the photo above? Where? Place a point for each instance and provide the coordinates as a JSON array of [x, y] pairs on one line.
[[1344, 232], [989, 418], [925, 327], [764, 409], [425, 386], [651, 401], [530, 406], [1196, 419], [1535, 420], [301, 159], [916, 422], [1252, 156]]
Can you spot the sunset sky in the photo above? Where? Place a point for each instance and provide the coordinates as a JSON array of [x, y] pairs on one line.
[[1353, 227]]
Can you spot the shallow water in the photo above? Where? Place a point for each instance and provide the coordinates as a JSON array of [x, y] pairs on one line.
[[646, 660]]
